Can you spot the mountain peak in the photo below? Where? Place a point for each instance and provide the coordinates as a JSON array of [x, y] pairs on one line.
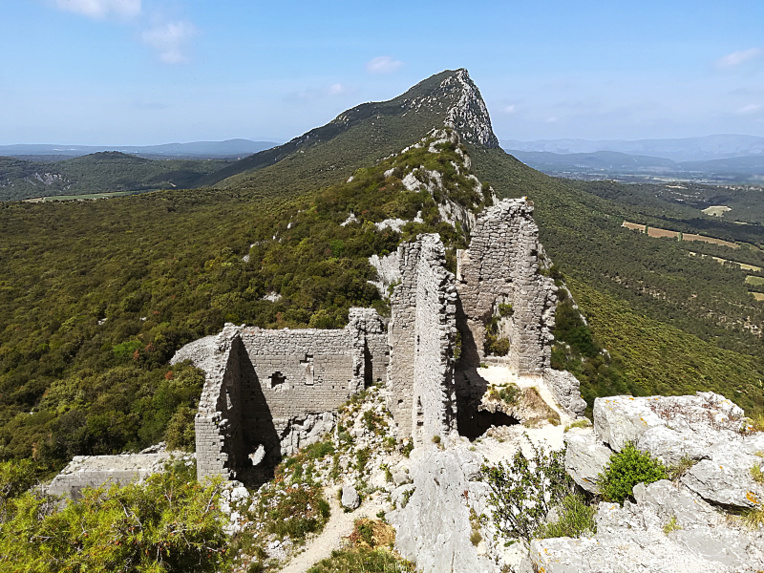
[[453, 94], [469, 115], [371, 131]]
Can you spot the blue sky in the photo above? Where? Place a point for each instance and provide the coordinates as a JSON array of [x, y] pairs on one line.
[[119, 72]]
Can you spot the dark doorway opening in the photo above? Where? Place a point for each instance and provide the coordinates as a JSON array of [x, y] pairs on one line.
[[474, 425]]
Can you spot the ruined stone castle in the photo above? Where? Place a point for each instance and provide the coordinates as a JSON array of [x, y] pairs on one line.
[[268, 392]]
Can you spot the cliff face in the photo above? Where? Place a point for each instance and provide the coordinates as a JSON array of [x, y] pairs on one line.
[[469, 115]]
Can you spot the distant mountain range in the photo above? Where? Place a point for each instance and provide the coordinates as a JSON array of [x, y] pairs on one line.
[[625, 167], [231, 148], [682, 149]]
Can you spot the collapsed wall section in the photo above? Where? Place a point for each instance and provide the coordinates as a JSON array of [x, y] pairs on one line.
[[499, 276], [260, 382], [420, 384]]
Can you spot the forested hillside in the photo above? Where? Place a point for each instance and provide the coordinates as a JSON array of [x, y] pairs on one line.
[[92, 309], [106, 172]]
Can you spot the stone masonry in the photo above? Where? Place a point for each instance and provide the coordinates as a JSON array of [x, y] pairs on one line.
[[260, 381], [269, 392], [502, 267], [420, 382]]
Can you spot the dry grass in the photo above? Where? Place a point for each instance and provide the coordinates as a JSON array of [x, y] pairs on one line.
[[657, 233], [532, 400], [372, 533], [691, 237]]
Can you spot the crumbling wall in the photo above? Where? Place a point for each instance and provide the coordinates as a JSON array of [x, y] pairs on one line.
[[95, 471], [501, 268], [420, 385], [264, 387]]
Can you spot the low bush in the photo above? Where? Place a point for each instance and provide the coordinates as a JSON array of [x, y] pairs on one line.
[[368, 550], [625, 470], [523, 492], [576, 519], [362, 559], [292, 511], [169, 523]]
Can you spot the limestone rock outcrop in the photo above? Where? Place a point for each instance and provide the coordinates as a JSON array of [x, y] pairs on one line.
[[433, 528], [705, 429], [350, 498], [671, 527], [585, 459], [669, 530]]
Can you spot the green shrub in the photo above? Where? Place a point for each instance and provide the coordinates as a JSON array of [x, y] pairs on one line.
[[757, 474], [360, 559], [294, 511], [576, 519], [374, 422], [407, 496], [318, 450], [169, 523], [362, 457], [625, 470], [181, 433], [522, 492], [672, 525]]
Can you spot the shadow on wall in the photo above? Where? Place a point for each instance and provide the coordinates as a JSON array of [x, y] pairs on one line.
[[260, 440]]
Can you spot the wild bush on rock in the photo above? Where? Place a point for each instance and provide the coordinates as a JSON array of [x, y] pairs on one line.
[[625, 470], [523, 492], [170, 523]]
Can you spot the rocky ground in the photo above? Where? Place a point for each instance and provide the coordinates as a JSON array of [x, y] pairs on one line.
[[432, 494]]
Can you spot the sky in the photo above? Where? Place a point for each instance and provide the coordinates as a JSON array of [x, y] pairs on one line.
[[139, 72]]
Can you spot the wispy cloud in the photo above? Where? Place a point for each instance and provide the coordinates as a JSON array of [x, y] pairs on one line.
[[737, 58], [383, 65], [749, 109], [510, 109], [100, 9], [171, 40], [337, 89]]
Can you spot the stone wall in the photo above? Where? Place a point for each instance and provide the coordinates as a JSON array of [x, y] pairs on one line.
[[262, 386], [420, 383], [501, 267], [95, 471]]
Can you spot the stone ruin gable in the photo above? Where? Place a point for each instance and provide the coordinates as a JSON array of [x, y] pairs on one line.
[[259, 382], [502, 267], [420, 385]]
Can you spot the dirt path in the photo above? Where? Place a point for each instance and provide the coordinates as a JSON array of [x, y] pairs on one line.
[[340, 525]]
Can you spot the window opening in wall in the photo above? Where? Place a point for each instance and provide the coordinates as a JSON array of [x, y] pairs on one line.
[[368, 367], [277, 379], [258, 455]]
